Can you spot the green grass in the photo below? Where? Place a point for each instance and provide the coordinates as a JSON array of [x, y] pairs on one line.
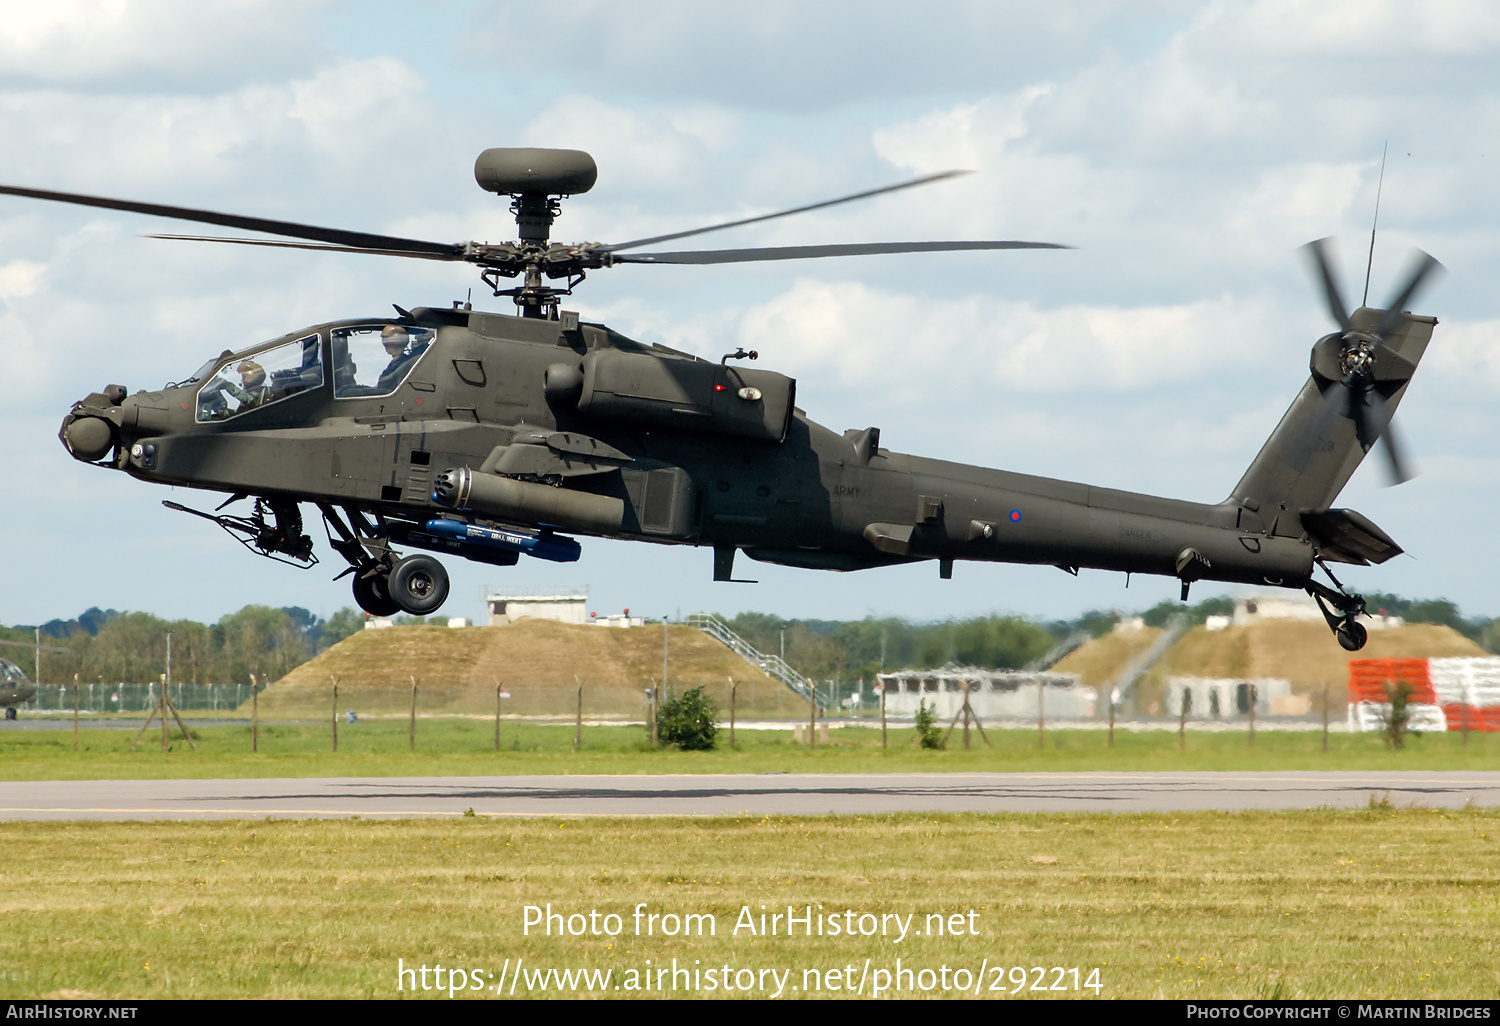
[[1377, 902], [455, 746]]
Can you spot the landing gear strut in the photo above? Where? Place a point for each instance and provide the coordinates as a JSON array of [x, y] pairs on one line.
[[384, 584], [1351, 634]]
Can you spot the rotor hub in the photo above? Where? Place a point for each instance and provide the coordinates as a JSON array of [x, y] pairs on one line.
[[1358, 357]]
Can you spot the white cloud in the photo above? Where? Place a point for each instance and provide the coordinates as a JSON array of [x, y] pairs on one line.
[[20, 278], [133, 44], [1466, 354]]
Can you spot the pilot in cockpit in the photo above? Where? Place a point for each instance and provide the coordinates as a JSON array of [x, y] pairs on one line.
[[251, 390], [397, 342]]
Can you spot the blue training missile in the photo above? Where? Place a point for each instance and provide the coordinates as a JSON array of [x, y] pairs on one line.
[[542, 546]]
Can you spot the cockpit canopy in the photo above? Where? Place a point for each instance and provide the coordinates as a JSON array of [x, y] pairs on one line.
[[365, 360], [373, 359]]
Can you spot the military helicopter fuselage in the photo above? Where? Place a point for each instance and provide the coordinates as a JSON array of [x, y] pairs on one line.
[[491, 437], [506, 435]]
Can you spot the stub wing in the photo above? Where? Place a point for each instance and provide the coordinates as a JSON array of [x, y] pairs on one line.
[[1345, 536]]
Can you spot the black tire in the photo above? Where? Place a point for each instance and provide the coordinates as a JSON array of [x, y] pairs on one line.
[[10, 713], [373, 596], [419, 585], [1352, 636]]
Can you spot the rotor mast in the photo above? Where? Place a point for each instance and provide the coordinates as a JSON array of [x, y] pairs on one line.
[[536, 180]]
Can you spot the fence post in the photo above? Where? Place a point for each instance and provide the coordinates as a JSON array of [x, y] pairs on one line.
[[335, 711], [165, 733], [966, 716], [1187, 703], [1254, 701], [732, 688], [75, 714], [1325, 716], [254, 715], [1041, 723], [411, 729], [812, 713], [578, 723], [497, 715], [883, 686]]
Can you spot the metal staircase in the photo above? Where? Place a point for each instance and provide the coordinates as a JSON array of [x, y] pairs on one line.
[[1175, 628], [771, 665]]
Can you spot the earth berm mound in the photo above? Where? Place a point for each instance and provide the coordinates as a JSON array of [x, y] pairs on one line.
[[542, 663]]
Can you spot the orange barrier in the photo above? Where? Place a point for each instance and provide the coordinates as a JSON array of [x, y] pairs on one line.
[[1368, 678]]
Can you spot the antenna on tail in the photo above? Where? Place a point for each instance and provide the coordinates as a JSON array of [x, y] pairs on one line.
[[1371, 262]]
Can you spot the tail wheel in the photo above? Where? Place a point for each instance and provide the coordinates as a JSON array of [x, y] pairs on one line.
[[373, 595], [419, 585], [1352, 635]]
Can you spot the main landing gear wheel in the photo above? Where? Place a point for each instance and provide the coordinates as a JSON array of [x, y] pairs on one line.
[[374, 596], [10, 713], [419, 585], [1351, 635]]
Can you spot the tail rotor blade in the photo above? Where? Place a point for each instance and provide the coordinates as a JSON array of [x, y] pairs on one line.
[[1421, 270], [1399, 473], [1337, 399], [1383, 426], [1318, 253]]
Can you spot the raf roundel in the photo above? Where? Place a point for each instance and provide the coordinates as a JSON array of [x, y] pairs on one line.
[[1015, 516]]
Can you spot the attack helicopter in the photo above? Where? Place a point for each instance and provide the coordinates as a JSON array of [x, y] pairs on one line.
[[15, 689], [490, 436]]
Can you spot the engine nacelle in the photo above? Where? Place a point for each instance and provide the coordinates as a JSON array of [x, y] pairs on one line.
[[690, 395]]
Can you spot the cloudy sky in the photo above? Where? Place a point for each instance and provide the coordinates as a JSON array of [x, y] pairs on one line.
[[1186, 149]]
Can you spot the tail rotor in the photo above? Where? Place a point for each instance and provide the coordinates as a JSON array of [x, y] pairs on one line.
[[1358, 369]]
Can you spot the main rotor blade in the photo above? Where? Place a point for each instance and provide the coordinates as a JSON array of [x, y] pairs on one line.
[[310, 245], [1318, 253], [1425, 264], [360, 240], [734, 256], [925, 179]]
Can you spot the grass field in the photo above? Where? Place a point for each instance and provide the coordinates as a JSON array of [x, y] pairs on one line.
[[1376, 902], [457, 746]]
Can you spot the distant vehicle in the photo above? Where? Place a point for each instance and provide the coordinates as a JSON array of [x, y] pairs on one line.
[[15, 688]]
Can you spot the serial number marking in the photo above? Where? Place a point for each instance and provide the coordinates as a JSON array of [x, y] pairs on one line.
[[1137, 532]]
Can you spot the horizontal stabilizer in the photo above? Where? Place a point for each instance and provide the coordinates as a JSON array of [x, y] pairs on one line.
[[1345, 536]]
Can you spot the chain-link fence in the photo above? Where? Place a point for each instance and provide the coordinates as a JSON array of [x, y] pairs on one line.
[[104, 697]]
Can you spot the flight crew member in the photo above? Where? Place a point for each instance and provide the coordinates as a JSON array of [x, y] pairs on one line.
[[397, 341], [251, 391]]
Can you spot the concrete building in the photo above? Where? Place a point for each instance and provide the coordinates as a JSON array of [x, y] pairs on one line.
[[1216, 698], [993, 694], [1288, 605], [504, 609], [617, 620]]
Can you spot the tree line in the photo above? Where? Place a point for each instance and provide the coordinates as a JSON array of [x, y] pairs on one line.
[[848, 650], [269, 643], [132, 647]]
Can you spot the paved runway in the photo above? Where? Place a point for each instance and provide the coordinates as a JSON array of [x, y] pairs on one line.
[[758, 794]]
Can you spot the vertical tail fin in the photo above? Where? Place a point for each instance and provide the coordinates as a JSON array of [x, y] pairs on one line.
[[1317, 446]]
